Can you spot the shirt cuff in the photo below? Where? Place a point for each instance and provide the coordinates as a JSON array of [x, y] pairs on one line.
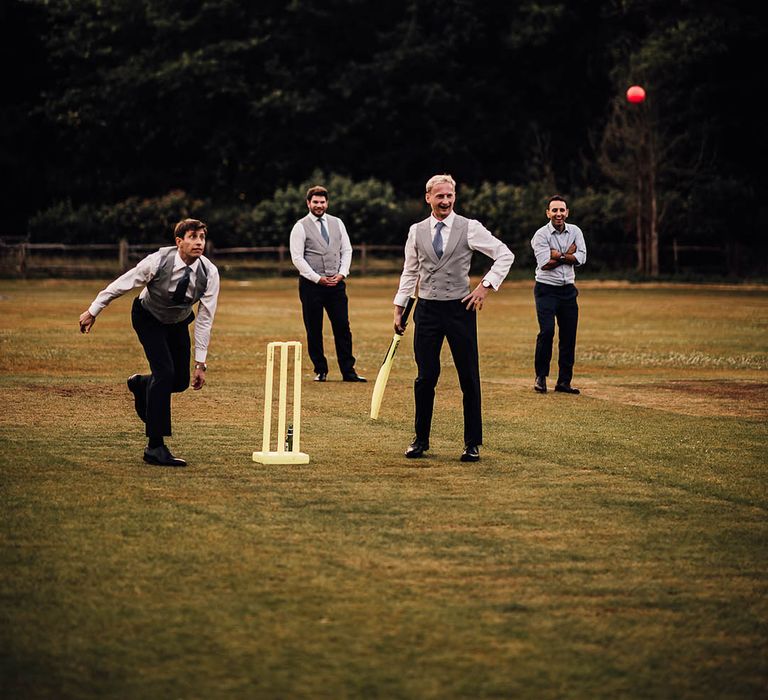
[[401, 299], [314, 278]]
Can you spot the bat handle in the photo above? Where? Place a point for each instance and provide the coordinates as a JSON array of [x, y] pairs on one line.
[[407, 311]]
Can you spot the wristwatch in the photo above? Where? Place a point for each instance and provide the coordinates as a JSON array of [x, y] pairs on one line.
[[202, 366]]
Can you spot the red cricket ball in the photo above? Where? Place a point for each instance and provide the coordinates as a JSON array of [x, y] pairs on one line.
[[635, 94]]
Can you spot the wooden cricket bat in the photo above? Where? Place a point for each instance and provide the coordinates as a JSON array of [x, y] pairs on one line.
[[386, 366]]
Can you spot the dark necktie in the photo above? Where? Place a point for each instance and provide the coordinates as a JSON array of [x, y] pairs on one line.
[[180, 294], [437, 241], [324, 231]]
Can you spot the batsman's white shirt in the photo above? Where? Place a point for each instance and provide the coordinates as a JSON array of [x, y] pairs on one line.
[[479, 238]]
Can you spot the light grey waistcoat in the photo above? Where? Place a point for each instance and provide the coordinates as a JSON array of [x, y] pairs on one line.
[[324, 258], [159, 299], [446, 278]]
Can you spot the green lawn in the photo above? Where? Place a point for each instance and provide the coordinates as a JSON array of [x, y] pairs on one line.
[[609, 545]]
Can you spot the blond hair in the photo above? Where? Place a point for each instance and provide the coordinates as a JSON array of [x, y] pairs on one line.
[[440, 179]]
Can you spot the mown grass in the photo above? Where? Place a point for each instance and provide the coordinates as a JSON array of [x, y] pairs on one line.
[[607, 545]]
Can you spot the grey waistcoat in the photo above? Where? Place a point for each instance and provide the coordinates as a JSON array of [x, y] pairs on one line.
[[446, 278], [324, 258], [158, 299]]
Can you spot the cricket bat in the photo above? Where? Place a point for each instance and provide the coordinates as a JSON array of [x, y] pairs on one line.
[[386, 366]]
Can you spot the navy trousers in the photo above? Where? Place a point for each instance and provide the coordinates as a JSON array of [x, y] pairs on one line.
[[434, 322], [316, 299], [556, 303], [167, 348]]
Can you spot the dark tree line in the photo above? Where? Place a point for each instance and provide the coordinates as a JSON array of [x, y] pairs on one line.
[[230, 101]]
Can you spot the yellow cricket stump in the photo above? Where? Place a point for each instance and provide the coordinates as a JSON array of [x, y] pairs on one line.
[[281, 455]]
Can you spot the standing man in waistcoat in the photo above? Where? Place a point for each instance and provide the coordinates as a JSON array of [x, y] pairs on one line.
[[174, 279], [438, 254], [559, 248], [321, 252]]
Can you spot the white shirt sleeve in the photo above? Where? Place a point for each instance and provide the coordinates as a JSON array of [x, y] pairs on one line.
[[410, 275], [298, 239], [206, 310], [483, 241], [138, 276], [346, 251]]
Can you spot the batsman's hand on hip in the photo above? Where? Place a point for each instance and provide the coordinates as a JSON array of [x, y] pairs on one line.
[[86, 322], [476, 298]]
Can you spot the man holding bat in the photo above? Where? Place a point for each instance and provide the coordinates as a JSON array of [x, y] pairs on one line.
[[438, 254]]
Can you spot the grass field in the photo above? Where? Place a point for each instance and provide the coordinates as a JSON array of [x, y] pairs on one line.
[[610, 545]]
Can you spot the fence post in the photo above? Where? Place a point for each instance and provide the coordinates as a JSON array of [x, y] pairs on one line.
[[122, 254], [208, 248], [363, 258], [674, 253], [22, 259], [281, 258]]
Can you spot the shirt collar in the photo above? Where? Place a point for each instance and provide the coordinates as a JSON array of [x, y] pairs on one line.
[[448, 220], [179, 264], [552, 229]]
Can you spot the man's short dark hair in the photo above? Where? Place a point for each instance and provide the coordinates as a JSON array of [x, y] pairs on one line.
[[317, 191], [188, 225], [556, 198]]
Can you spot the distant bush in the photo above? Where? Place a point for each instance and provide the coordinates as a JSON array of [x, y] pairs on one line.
[[140, 220], [511, 212], [63, 223], [370, 209]]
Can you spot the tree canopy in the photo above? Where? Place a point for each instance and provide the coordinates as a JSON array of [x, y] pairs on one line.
[[231, 101]]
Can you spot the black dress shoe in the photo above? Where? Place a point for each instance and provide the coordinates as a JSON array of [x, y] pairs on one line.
[[417, 448], [540, 385], [354, 378], [162, 457], [566, 389], [320, 376], [471, 454], [139, 396]]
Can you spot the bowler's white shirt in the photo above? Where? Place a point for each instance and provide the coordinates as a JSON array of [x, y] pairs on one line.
[[145, 272]]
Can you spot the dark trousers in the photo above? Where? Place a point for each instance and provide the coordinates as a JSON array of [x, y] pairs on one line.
[[316, 299], [559, 303], [167, 348], [435, 321]]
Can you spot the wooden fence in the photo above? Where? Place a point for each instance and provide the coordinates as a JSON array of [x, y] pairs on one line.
[[20, 258], [24, 259]]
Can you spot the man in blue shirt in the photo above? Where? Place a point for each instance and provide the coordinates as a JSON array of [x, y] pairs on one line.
[[559, 248]]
